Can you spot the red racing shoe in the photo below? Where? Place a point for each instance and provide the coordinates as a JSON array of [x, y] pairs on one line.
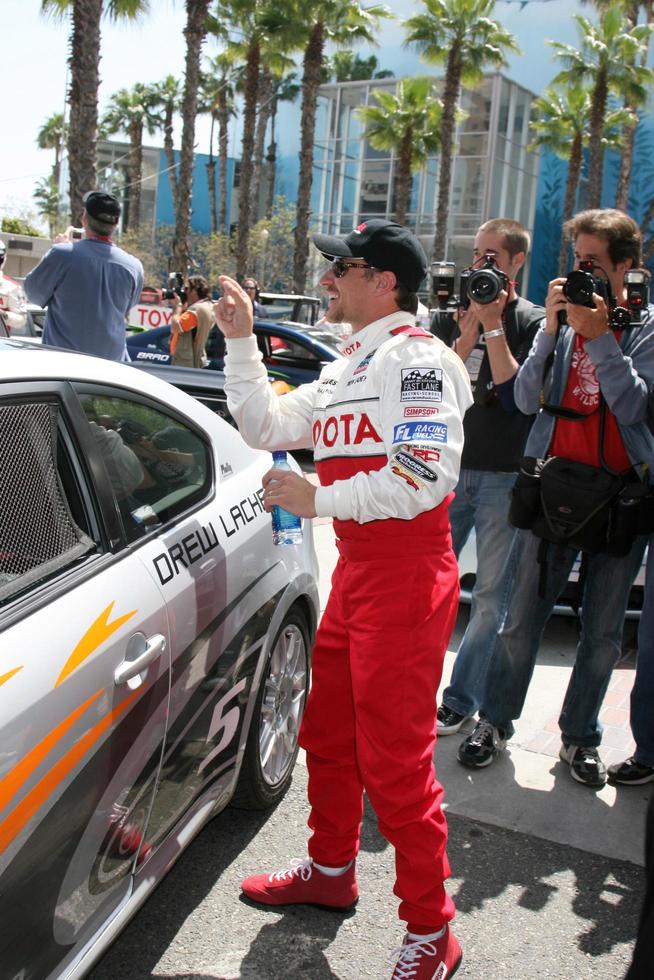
[[303, 884], [428, 959]]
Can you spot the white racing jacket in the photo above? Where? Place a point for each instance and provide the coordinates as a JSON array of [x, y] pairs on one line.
[[385, 423]]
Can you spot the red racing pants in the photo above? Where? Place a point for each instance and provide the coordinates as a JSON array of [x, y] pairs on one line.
[[370, 721]]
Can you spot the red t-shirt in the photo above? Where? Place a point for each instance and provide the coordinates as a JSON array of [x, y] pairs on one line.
[[580, 440]]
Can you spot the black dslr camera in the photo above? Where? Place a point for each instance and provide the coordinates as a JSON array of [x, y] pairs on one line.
[[580, 285], [175, 287], [483, 283]]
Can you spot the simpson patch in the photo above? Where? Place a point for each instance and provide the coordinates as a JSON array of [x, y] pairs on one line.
[[421, 385], [418, 412], [420, 432]]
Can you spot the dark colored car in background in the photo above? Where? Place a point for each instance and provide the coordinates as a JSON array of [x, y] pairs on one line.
[[291, 353]]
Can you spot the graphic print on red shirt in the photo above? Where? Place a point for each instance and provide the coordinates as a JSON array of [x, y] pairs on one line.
[[579, 440]]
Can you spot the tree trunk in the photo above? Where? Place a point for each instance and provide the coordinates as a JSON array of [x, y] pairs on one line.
[[266, 90], [451, 92], [170, 151], [312, 64], [56, 168], [84, 62], [626, 164], [644, 228], [271, 160], [244, 187], [135, 171], [572, 183], [223, 139], [211, 179], [194, 32], [596, 150], [404, 178], [627, 155]]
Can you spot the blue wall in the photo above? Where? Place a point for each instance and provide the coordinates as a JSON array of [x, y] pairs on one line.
[[200, 213], [549, 205]]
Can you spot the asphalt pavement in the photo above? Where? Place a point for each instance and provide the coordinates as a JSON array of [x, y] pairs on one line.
[[546, 874]]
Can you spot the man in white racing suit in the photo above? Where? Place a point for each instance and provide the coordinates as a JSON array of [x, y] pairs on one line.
[[12, 297], [386, 425]]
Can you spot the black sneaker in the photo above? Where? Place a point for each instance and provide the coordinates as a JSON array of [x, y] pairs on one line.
[[481, 746], [448, 722], [585, 764], [631, 773]]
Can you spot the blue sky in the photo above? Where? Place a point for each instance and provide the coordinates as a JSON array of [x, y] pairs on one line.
[[34, 53]]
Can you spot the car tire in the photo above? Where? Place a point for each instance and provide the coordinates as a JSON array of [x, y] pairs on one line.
[[272, 745]]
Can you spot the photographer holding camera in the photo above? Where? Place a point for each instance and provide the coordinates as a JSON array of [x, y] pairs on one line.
[[577, 490], [494, 339], [191, 322], [88, 285]]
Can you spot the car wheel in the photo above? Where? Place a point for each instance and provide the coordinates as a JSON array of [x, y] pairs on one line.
[[272, 744]]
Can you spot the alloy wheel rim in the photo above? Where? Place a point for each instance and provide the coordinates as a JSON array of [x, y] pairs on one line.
[[282, 704]]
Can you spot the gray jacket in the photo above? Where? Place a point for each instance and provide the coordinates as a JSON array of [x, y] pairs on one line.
[[625, 372]]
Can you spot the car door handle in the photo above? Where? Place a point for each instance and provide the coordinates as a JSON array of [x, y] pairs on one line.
[[130, 668]]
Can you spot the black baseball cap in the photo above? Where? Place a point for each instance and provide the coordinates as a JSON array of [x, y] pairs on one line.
[[381, 243], [103, 206]]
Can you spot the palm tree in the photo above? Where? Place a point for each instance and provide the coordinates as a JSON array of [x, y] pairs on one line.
[[607, 61], [627, 156], [315, 23], [461, 35], [194, 33], [346, 66], [286, 90], [249, 16], [208, 104], [52, 136], [219, 88], [132, 111], [407, 122], [167, 96], [276, 64], [562, 125], [46, 195], [84, 64]]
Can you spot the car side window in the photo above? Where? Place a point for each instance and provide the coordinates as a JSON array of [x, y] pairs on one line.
[[157, 466], [43, 527], [283, 349]]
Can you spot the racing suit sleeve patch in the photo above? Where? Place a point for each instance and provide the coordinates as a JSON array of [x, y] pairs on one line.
[[414, 465], [421, 384], [422, 432]]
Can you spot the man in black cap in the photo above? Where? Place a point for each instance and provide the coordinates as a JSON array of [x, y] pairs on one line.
[[385, 422], [88, 285]]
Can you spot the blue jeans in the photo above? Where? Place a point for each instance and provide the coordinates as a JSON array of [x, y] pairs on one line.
[[482, 501], [604, 601], [642, 695]]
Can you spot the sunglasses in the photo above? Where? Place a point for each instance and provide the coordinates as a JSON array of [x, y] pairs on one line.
[[339, 267]]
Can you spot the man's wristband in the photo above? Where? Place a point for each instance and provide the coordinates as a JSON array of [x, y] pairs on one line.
[[499, 332]]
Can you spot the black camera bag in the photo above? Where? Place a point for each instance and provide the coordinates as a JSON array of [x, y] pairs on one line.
[[589, 508], [577, 505]]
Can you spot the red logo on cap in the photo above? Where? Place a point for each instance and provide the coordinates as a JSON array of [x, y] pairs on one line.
[[362, 227]]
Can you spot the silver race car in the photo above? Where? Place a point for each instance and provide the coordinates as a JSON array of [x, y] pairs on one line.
[[154, 645]]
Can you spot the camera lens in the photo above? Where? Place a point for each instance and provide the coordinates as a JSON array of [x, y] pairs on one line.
[[484, 286], [579, 287]]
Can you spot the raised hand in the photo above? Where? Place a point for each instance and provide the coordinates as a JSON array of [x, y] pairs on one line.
[[233, 311]]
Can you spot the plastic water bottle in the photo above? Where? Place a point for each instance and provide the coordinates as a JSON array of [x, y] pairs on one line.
[[286, 527]]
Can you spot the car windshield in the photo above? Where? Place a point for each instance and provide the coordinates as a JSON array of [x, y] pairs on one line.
[[323, 337]]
